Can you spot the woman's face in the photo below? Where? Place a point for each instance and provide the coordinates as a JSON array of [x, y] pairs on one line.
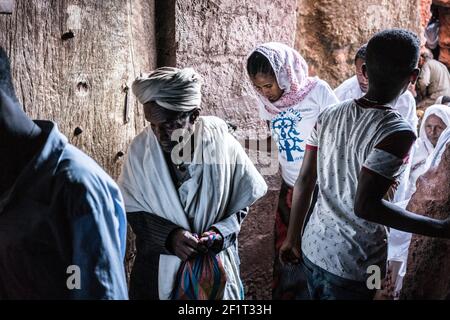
[[267, 86], [433, 128]]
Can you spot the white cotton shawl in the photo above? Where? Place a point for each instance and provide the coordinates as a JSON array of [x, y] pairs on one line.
[[435, 158], [223, 181], [423, 147]]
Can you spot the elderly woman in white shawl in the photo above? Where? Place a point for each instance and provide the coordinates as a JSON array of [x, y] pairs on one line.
[[185, 175], [435, 120]]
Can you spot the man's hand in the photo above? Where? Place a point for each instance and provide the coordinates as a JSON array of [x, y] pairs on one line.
[[211, 240], [184, 244], [289, 253], [387, 291]]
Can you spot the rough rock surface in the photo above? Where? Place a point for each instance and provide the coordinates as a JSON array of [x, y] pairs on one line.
[[329, 32], [444, 31], [425, 13], [427, 275]]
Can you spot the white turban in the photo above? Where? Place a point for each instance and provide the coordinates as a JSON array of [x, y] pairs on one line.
[[440, 99], [171, 88]]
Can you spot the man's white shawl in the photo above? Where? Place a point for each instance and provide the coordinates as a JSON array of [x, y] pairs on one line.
[[223, 181]]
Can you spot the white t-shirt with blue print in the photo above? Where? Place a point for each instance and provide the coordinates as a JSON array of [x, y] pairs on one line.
[[291, 127]]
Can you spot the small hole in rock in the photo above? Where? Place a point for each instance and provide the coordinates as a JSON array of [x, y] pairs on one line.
[[67, 35], [82, 86]]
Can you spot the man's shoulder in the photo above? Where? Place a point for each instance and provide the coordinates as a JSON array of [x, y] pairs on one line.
[[350, 82], [142, 135], [407, 95], [395, 126], [406, 100], [397, 143], [435, 64], [213, 122], [321, 86], [139, 142], [75, 169], [347, 84], [337, 108]]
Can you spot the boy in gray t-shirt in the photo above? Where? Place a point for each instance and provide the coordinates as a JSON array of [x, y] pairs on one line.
[[355, 154]]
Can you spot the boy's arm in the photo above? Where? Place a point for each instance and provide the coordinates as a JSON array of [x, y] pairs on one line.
[[372, 187], [301, 201]]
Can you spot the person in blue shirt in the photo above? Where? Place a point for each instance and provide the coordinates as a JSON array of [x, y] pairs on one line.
[[62, 218]]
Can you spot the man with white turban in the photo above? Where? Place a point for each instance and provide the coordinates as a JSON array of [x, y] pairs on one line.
[[187, 185], [443, 100]]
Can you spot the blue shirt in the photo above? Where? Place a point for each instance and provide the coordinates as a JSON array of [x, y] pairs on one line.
[[62, 228]]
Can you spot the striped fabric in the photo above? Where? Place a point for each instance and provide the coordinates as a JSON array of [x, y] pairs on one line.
[[201, 278]]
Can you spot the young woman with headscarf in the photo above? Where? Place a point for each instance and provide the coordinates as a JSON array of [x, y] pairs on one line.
[[290, 101]]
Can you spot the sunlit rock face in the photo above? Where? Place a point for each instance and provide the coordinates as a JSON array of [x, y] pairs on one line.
[[428, 276]]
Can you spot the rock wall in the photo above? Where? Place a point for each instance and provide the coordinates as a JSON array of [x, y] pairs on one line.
[[444, 31], [215, 38], [329, 32], [425, 13], [427, 275]]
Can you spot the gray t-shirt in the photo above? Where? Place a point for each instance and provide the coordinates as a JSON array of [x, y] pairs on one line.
[[335, 239]]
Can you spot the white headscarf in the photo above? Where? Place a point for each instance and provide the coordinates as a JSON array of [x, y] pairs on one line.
[[435, 157], [440, 99], [439, 110], [423, 147], [171, 88], [291, 72]]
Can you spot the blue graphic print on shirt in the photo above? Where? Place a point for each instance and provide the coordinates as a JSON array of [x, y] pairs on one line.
[[284, 128]]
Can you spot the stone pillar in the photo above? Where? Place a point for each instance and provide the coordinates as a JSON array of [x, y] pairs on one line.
[[70, 63]]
